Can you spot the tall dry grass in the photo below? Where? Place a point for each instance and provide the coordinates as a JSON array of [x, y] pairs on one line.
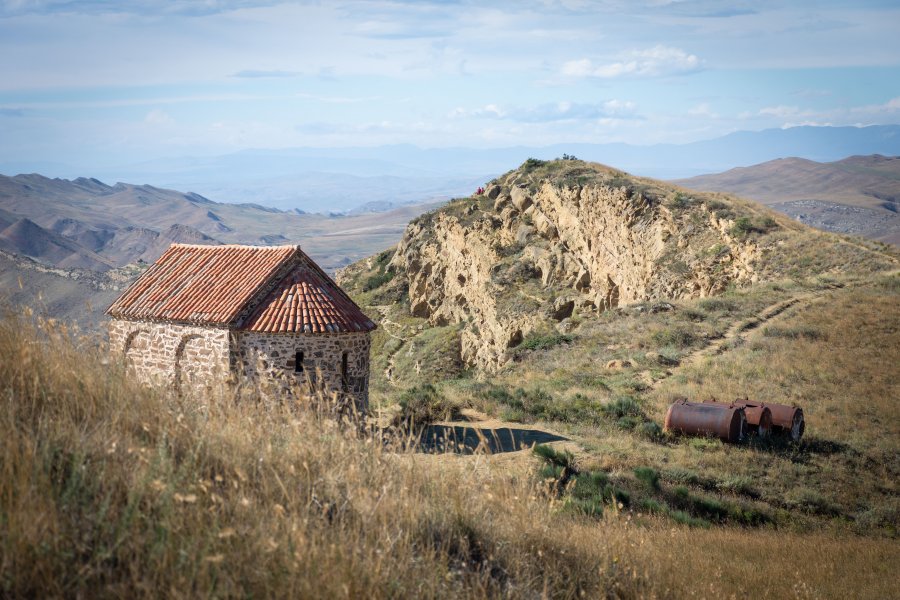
[[111, 489]]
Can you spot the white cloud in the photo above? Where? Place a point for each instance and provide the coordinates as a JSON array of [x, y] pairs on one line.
[[557, 111], [652, 62], [159, 117], [783, 112], [703, 110]]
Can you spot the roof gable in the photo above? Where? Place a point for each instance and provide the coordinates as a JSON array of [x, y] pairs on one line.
[[307, 301], [279, 287]]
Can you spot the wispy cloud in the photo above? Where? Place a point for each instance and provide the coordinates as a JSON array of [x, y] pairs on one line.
[[11, 112], [260, 74], [136, 7], [159, 117], [336, 99], [652, 62], [558, 111]]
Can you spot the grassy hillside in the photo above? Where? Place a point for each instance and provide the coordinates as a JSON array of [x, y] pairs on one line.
[[109, 489], [858, 195], [820, 329]]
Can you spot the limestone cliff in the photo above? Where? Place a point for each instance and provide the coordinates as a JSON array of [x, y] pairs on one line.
[[562, 237]]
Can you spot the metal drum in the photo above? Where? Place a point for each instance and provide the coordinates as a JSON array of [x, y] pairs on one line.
[[788, 420], [724, 421], [759, 417]]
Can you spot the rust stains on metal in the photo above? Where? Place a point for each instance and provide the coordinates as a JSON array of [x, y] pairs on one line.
[[759, 417], [725, 421], [788, 420]]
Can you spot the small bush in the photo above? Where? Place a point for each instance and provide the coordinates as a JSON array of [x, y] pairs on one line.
[[653, 506], [650, 430], [648, 476], [543, 342], [532, 163], [563, 459], [722, 305], [794, 333], [423, 405], [678, 337], [682, 201], [685, 519], [738, 485], [623, 406], [744, 226], [377, 280], [683, 476]]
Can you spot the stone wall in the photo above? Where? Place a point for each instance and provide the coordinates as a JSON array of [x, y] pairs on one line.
[[269, 360], [169, 354]]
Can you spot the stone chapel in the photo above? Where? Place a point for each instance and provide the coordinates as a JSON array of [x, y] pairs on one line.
[[253, 315]]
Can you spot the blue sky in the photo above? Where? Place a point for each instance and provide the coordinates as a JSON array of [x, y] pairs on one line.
[[105, 82]]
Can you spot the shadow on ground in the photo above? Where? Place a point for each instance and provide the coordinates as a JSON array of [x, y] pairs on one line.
[[462, 439]]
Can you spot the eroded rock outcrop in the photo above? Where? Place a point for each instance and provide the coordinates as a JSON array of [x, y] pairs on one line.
[[568, 237]]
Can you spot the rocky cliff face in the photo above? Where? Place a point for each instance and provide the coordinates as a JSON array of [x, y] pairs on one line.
[[554, 239]]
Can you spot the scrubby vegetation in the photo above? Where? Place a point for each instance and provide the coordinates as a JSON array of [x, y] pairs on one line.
[[608, 382], [111, 489]]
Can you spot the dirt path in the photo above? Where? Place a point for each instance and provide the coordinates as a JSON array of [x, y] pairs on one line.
[[720, 345], [388, 325], [881, 253]]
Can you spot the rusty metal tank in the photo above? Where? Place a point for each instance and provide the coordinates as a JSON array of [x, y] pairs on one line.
[[725, 421], [788, 420], [759, 416]]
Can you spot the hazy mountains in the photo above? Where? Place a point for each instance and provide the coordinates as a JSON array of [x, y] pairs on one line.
[[858, 195], [344, 179], [87, 224]]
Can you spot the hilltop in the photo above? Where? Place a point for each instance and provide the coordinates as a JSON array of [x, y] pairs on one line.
[[858, 195], [559, 242]]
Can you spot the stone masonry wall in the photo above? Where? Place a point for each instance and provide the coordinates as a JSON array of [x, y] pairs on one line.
[[270, 358], [169, 354]]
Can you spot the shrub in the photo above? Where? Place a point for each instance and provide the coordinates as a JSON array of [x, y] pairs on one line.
[[623, 406], [422, 405], [648, 476], [794, 333], [543, 342], [717, 305], [744, 226], [682, 201], [377, 280], [678, 337], [532, 163], [561, 464]]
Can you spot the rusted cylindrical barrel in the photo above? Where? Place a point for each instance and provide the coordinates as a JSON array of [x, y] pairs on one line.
[[725, 421], [788, 420], [759, 417]]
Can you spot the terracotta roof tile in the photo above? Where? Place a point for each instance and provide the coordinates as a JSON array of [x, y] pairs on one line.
[[308, 300], [217, 285]]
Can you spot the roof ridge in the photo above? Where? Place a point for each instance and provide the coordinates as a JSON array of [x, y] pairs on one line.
[[224, 246]]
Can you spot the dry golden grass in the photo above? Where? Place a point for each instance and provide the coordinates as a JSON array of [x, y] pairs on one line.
[[110, 489]]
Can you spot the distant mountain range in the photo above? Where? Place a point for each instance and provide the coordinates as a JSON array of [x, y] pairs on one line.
[[87, 224], [858, 195], [340, 180]]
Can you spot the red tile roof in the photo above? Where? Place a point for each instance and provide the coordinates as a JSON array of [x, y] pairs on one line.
[[279, 287]]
